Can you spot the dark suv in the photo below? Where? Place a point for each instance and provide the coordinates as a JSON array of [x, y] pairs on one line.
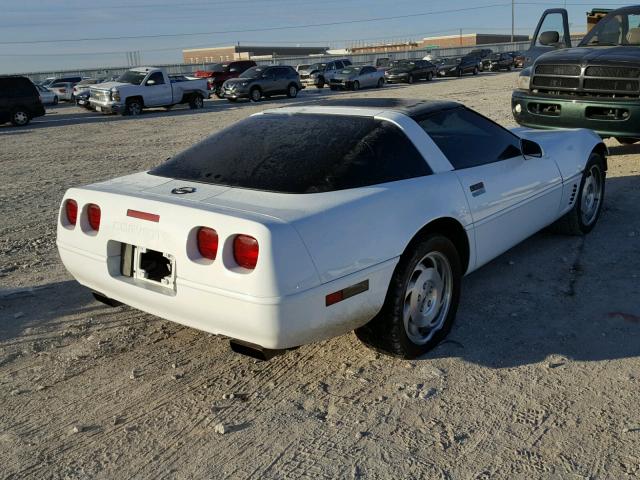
[[19, 101], [500, 61], [258, 82], [408, 71], [221, 72]]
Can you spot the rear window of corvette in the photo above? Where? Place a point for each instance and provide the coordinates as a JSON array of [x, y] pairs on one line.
[[300, 153]]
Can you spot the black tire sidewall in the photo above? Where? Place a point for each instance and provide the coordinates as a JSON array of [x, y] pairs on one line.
[[251, 93], [15, 112], [594, 159]]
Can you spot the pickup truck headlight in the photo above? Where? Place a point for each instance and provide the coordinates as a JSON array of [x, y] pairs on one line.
[[524, 80], [115, 95]]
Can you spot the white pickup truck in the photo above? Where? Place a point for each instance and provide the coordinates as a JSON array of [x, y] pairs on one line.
[[145, 87]]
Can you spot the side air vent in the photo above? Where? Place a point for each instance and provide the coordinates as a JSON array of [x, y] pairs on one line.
[[573, 194]]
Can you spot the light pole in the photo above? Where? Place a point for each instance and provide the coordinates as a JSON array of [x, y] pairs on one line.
[[513, 18]]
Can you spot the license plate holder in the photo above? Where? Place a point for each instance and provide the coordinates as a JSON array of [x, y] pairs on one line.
[[147, 265]]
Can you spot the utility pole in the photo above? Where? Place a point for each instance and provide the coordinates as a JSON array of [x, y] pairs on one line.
[[513, 19]]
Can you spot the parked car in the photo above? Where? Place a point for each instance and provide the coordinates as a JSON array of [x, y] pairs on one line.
[[594, 85], [221, 72], [456, 67], [64, 90], [19, 100], [500, 61], [83, 86], [357, 77], [259, 82], [51, 80], [302, 66], [47, 96], [409, 71], [320, 74], [518, 59], [262, 232], [382, 63], [145, 87], [481, 54]]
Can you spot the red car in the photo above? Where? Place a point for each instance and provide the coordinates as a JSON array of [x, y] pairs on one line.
[[220, 72]]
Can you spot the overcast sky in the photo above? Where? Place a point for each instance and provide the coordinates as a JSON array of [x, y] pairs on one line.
[[41, 24]]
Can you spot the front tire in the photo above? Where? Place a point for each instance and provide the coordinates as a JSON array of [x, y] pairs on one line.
[[292, 91], [133, 108], [356, 86], [380, 83], [55, 100], [429, 76], [421, 301], [320, 83], [20, 117], [475, 71], [255, 95], [586, 210]]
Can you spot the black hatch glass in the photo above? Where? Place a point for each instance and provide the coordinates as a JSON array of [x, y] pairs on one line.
[[300, 153]]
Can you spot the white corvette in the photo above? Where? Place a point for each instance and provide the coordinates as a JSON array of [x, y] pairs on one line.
[[301, 223]]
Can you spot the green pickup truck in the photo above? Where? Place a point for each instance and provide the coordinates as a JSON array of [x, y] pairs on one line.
[[595, 85]]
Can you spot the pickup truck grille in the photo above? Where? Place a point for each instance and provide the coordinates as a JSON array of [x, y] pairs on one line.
[[100, 95], [304, 76], [592, 81]]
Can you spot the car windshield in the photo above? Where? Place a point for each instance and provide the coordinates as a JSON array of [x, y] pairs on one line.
[[616, 29], [88, 81], [303, 67], [133, 77], [317, 66], [274, 152], [253, 72]]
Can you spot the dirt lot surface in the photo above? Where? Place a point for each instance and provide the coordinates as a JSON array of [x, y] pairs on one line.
[[540, 377]]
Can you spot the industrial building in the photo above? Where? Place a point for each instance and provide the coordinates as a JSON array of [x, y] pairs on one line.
[[448, 41], [244, 52]]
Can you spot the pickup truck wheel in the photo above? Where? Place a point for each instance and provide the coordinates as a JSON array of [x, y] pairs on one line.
[[421, 302], [256, 95], [589, 199], [196, 102], [134, 107], [292, 91], [626, 140], [20, 117], [380, 83]]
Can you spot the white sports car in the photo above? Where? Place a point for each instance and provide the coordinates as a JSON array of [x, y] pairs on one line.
[[302, 223]]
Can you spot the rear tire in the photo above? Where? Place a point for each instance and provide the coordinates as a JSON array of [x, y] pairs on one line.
[[55, 100], [20, 117], [356, 86], [410, 79], [475, 71], [421, 301], [627, 140], [320, 83], [429, 76], [197, 102], [380, 83], [582, 218]]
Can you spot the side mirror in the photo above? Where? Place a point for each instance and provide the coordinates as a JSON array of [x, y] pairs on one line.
[[549, 38], [530, 148], [151, 82]]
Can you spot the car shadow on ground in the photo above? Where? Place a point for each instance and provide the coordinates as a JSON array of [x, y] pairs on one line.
[[557, 297]]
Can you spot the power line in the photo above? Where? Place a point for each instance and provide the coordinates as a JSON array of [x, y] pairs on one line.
[[251, 30]]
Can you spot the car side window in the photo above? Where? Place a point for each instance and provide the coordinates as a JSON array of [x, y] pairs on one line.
[[157, 77], [281, 73], [468, 139]]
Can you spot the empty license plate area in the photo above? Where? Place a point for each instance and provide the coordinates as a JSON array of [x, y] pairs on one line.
[[148, 265]]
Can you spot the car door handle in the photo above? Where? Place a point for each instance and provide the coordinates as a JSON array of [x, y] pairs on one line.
[[477, 189]]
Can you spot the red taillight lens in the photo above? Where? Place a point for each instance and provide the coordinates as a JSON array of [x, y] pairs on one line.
[[208, 242], [71, 209], [245, 251], [93, 214]]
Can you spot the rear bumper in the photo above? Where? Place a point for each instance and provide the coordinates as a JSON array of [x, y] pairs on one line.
[[274, 322], [607, 117]]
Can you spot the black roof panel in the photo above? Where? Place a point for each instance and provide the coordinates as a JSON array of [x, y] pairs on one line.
[[410, 107]]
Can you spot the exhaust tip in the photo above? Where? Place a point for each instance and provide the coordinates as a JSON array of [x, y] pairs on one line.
[[254, 351]]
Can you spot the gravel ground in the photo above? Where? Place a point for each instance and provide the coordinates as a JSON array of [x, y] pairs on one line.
[[540, 377]]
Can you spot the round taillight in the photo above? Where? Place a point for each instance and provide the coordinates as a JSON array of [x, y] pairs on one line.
[[71, 210], [93, 215], [245, 251], [208, 242]]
